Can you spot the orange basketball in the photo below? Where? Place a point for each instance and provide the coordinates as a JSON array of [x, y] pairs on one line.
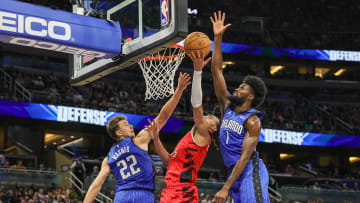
[[197, 41]]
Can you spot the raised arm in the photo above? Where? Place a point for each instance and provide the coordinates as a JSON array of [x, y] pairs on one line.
[[153, 131], [143, 138], [95, 186], [196, 93], [169, 107], [217, 60], [251, 139]]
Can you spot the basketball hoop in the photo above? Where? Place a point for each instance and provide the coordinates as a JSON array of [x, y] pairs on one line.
[[159, 71]]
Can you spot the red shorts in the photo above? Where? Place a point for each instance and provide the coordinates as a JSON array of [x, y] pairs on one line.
[[186, 194]]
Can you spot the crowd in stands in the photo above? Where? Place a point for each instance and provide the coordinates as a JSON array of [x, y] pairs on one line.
[[295, 117], [19, 166], [323, 172], [325, 24], [55, 4], [21, 192], [24, 193], [282, 110], [33, 194]]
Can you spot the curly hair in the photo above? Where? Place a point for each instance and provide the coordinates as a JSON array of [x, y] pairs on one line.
[[258, 88]]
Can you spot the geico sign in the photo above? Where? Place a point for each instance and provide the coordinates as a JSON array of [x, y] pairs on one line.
[[21, 24], [55, 47]]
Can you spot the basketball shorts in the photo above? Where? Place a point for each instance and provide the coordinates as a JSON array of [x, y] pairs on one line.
[[252, 185], [188, 194], [134, 196]]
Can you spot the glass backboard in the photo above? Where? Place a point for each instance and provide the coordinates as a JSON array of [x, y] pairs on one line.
[[152, 25]]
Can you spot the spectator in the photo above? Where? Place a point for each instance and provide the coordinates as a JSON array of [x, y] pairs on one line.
[[208, 199], [50, 197], [17, 196], [111, 194], [36, 197], [3, 197], [45, 199], [41, 194], [316, 186], [6, 164], [92, 176], [205, 199], [356, 186], [201, 197], [79, 169], [63, 191], [212, 177], [19, 166], [73, 196], [95, 171], [228, 199], [2, 160], [289, 169], [345, 187], [59, 199], [42, 167], [38, 83], [30, 192]]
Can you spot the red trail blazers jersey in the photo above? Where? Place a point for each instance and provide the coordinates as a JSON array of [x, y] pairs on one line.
[[185, 162]]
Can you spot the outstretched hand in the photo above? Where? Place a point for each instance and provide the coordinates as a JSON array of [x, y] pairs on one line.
[[198, 60], [218, 23], [153, 129], [183, 81], [221, 196]]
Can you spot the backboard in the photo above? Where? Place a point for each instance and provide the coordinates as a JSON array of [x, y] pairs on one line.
[[152, 25]]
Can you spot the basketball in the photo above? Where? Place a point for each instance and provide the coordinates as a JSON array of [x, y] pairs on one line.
[[197, 41]]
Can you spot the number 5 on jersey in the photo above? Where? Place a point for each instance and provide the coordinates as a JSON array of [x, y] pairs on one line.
[[124, 164]]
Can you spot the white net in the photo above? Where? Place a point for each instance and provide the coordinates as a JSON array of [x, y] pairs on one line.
[[159, 71]]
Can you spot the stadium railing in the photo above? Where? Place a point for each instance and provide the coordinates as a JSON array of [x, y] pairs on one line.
[[42, 178], [327, 195]]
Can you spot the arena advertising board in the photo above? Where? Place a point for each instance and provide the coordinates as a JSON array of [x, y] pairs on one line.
[[46, 28], [308, 139], [308, 54], [77, 115], [97, 117]]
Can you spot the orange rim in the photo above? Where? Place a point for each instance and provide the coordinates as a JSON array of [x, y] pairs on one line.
[[165, 57]]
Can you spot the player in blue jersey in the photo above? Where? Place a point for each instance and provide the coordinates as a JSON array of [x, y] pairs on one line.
[[239, 130], [128, 159]]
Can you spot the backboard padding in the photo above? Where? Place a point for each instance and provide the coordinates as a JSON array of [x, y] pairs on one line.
[[143, 45]]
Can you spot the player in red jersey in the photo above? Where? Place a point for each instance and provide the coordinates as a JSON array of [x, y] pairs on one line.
[[186, 159]]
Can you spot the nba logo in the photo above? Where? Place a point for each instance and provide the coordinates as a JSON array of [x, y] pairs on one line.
[[164, 12]]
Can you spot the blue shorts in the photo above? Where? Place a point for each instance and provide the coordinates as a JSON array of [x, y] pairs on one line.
[[252, 185], [134, 196]]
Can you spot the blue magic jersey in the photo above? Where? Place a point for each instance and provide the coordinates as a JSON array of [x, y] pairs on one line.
[[131, 166], [232, 134]]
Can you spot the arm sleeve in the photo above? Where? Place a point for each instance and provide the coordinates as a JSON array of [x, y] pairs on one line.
[[196, 92]]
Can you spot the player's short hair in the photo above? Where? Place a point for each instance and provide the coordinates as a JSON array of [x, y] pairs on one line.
[[258, 88], [112, 126]]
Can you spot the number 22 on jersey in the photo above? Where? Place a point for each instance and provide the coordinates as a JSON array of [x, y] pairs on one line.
[[125, 163]]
